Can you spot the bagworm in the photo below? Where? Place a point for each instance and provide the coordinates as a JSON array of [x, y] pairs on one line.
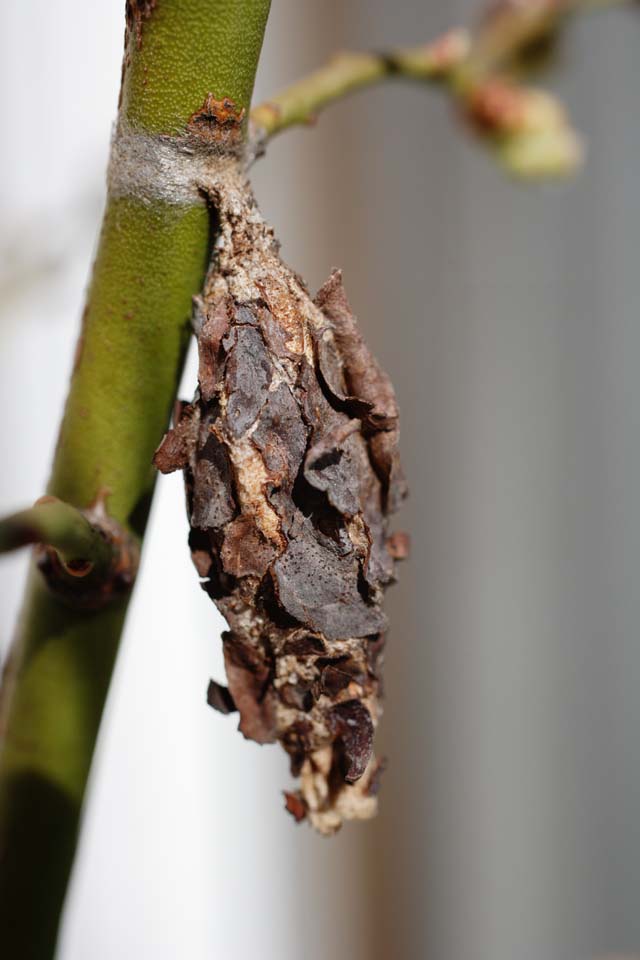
[[290, 456]]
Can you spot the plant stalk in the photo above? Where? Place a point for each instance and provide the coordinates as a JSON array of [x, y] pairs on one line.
[[151, 260]]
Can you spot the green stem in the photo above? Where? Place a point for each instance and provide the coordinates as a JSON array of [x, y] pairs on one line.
[[151, 259]]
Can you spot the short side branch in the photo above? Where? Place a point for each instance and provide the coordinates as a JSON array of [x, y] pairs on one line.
[[346, 72], [527, 128], [80, 546], [85, 556]]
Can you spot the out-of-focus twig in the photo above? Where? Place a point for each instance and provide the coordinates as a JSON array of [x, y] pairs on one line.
[[528, 128]]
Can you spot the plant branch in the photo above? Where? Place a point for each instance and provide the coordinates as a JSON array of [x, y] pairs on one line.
[[527, 128], [80, 545], [347, 72], [152, 256]]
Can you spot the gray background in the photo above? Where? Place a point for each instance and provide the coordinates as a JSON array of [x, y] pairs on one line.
[[508, 319]]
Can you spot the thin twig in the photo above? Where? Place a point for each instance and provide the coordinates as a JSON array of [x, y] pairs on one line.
[[346, 72], [528, 128]]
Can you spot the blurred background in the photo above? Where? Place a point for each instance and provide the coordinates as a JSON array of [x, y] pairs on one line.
[[508, 317]]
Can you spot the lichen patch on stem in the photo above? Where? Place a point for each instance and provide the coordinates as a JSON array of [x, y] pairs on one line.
[[177, 170]]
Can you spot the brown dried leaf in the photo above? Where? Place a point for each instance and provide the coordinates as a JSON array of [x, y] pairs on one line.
[[213, 503], [248, 376], [281, 436], [366, 380], [211, 322], [245, 549], [331, 465], [247, 673], [364, 377], [351, 724], [220, 698], [399, 545], [319, 588], [174, 450], [294, 804]]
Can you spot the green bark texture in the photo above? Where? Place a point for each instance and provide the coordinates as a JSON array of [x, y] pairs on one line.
[[151, 259]]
